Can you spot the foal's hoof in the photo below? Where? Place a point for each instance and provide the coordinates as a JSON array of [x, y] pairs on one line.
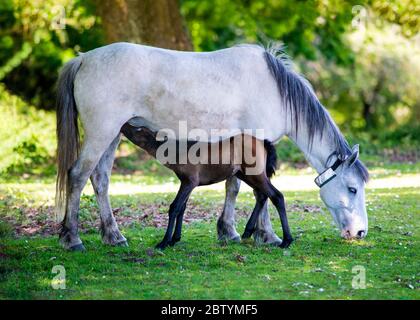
[[162, 245], [78, 247], [286, 243], [247, 234], [174, 241]]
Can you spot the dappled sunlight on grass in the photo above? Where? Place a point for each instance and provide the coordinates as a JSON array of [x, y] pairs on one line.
[[361, 243], [125, 185]]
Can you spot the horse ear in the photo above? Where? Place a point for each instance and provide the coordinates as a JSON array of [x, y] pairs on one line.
[[353, 157]]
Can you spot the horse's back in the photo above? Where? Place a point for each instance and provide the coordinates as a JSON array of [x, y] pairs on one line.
[[219, 89]]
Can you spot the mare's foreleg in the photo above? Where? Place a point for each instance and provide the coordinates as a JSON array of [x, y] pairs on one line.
[[226, 230]]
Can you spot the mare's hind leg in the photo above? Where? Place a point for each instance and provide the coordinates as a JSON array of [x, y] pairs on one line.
[[100, 181], [226, 230], [264, 233], [93, 148]]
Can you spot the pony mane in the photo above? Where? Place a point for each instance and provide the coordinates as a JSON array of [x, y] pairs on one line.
[[302, 105]]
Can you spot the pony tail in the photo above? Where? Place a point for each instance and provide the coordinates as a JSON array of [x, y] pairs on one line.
[[68, 142], [271, 164]]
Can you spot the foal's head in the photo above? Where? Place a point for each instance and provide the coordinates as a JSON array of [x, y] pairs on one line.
[[141, 136]]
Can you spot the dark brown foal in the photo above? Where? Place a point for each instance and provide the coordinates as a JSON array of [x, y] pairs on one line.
[[231, 159]]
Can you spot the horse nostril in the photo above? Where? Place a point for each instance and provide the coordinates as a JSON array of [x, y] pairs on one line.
[[361, 234], [346, 234]]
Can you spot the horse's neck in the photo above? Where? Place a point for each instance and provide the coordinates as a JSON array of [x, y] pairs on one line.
[[318, 154]]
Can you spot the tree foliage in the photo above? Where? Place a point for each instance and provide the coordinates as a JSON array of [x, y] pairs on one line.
[[36, 38], [308, 28]]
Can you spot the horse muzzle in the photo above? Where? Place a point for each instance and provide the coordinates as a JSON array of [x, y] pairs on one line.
[[349, 234]]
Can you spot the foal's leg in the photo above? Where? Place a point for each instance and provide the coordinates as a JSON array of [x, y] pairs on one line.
[[100, 181], [263, 185], [174, 209], [178, 228], [264, 233], [226, 223], [278, 200], [261, 199], [93, 148]]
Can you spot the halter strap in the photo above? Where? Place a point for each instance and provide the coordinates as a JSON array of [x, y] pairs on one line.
[[336, 164], [329, 174]]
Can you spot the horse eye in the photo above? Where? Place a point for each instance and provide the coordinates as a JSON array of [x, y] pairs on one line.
[[352, 190]]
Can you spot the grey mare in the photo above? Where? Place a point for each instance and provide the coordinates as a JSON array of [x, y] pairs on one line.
[[243, 87]]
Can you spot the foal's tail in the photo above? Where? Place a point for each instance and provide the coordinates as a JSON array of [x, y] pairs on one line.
[[67, 131], [271, 165]]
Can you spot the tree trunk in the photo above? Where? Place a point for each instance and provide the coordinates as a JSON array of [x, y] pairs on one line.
[[153, 22], [368, 115]]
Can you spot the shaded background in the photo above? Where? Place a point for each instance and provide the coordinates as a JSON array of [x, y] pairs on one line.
[[362, 57]]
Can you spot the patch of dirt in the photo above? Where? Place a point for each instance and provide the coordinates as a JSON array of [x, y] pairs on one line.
[[395, 155], [41, 221], [300, 206], [2, 254]]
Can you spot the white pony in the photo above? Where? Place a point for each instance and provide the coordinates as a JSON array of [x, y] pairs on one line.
[[243, 87]]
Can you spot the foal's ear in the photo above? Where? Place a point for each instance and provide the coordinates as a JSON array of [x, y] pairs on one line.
[[353, 157]]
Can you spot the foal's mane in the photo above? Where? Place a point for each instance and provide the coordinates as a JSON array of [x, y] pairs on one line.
[[303, 105]]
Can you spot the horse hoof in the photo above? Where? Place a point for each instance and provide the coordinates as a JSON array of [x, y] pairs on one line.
[[174, 241], [236, 239], [161, 246], [78, 247], [247, 234], [269, 238], [275, 243], [286, 243], [123, 243]]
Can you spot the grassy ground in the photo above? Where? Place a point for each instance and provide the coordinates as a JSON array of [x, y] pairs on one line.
[[318, 265]]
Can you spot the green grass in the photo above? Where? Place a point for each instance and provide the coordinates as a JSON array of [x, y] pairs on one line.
[[317, 266]]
